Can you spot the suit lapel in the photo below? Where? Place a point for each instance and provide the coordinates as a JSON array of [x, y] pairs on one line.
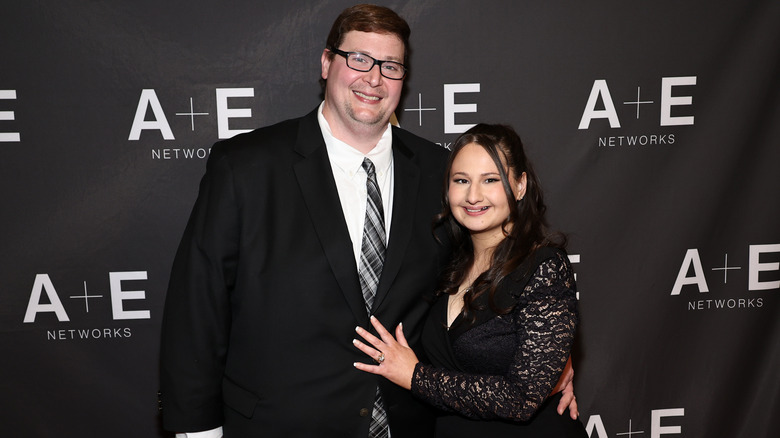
[[315, 178], [407, 181]]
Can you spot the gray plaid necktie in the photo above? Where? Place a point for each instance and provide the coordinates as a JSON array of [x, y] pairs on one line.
[[372, 257]]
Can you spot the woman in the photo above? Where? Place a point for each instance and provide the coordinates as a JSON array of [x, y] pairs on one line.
[[501, 329]]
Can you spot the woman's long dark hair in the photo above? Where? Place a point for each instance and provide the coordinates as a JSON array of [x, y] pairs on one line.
[[525, 229]]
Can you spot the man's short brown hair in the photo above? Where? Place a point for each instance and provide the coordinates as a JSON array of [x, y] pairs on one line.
[[369, 18]]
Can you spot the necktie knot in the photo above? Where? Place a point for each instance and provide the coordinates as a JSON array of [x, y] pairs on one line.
[[374, 194], [368, 166]]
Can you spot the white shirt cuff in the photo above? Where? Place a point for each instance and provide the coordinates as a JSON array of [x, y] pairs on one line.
[[213, 433]]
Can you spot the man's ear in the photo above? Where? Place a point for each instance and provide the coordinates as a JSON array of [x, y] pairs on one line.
[[325, 60]]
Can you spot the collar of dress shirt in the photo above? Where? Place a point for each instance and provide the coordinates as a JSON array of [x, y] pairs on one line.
[[348, 159]]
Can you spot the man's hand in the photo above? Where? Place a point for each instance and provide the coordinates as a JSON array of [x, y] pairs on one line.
[[566, 386]]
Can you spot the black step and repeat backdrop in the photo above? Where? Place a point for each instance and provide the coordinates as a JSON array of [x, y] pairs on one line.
[[655, 127]]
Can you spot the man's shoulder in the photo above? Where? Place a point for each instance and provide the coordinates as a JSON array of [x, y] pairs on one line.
[[420, 146], [268, 141], [413, 140], [283, 131]]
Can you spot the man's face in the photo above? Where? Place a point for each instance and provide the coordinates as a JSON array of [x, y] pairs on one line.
[[358, 102]]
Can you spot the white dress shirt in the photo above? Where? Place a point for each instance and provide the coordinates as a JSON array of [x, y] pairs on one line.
[[346, 163]]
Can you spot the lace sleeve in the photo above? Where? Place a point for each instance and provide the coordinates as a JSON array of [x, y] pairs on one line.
[[543, 322]]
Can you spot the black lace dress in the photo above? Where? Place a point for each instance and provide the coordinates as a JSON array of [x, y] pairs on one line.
[[492, 378]]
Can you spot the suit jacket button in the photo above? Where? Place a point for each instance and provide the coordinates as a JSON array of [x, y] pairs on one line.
[[365, 412]]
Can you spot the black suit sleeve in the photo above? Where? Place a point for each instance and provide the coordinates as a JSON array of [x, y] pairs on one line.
[[196, 318]]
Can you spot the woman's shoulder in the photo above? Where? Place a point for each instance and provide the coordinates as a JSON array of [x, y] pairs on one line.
[[547, 269], [544, 257]]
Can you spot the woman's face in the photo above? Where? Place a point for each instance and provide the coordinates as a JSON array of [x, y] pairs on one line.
[[476, 194]]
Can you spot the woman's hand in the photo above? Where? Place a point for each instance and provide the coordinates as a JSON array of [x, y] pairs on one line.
[[395, 360]]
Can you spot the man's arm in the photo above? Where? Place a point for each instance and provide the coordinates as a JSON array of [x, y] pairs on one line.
[[196, 317]]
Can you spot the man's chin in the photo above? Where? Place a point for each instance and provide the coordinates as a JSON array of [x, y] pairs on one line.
[[371, 119]]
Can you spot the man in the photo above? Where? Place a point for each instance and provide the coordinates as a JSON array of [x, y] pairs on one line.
[[276, 267]]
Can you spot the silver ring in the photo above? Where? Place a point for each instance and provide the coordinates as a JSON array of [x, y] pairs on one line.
[[381, 358]]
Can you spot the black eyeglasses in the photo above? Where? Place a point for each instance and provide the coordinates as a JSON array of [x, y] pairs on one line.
[[363, 63]]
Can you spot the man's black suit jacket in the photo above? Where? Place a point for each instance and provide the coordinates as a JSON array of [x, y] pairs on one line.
[[264, 294]]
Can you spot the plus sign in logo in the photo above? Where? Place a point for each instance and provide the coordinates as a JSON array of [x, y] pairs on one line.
[[191, 115], [638, 102], [420, 109], [86, 297]]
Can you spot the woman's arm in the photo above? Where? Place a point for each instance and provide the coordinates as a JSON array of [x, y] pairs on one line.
[[545, 324]]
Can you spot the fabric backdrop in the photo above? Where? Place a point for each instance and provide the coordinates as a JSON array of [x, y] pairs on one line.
[[653, 125]]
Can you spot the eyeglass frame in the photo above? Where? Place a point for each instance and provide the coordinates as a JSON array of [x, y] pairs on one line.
[[376, 62]]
